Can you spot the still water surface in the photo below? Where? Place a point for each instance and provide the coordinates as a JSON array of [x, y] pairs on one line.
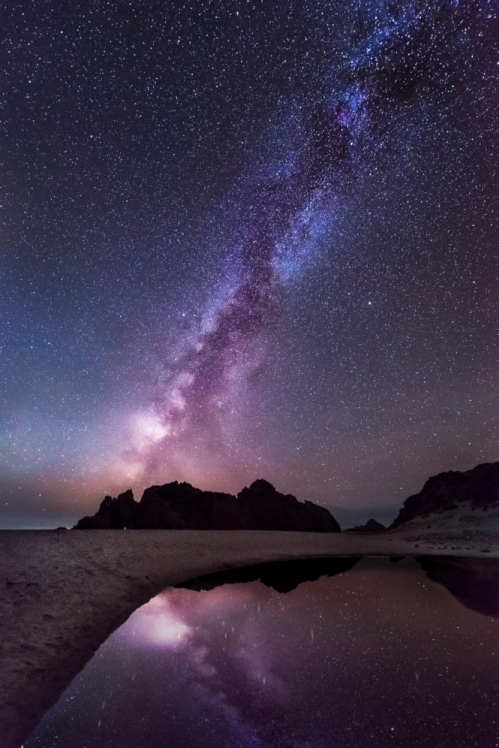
[[376, 656]]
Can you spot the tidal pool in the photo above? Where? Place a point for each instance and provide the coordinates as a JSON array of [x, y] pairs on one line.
[[379, 655]]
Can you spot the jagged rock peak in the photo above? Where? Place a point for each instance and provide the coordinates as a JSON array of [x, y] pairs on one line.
[[260, 484], [445, 491], [264, 508], [113, 513]]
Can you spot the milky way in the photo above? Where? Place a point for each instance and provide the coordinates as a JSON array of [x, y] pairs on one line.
[[403, 55], [244, 241]]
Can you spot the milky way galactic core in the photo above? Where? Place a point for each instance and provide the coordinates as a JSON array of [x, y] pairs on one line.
[[244, 240]]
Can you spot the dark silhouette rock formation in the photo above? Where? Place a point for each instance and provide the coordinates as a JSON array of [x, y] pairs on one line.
[[371, 525], [180, 506], [479, 486], [113, 513], [264, 508]]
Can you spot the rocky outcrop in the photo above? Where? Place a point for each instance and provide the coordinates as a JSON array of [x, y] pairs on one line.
[[478, 487], [180, 506], [113, 514], [371, 526], [264, 508]]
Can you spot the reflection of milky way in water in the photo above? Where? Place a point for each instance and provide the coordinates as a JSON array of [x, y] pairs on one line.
[[380, 656]]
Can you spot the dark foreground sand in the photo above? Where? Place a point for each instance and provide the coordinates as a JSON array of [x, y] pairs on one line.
[[62, 593]]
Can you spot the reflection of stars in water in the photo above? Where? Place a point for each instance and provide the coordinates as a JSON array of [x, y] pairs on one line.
[[244, 666]]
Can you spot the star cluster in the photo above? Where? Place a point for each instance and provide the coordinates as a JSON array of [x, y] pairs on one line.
[[243, 239]]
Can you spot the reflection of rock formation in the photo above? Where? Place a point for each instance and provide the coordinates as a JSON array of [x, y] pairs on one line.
[[177, 506], [371, 526], [282, 576], [63, 593], [472, 581], [477, 489]]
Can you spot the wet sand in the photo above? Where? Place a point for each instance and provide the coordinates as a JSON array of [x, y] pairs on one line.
[[62, 593]]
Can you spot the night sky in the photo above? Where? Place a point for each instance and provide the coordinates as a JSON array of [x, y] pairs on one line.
[[242, 240], [378, 657]]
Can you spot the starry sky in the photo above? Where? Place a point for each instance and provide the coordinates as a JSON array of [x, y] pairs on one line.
[[380, 656], [246, 239]]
